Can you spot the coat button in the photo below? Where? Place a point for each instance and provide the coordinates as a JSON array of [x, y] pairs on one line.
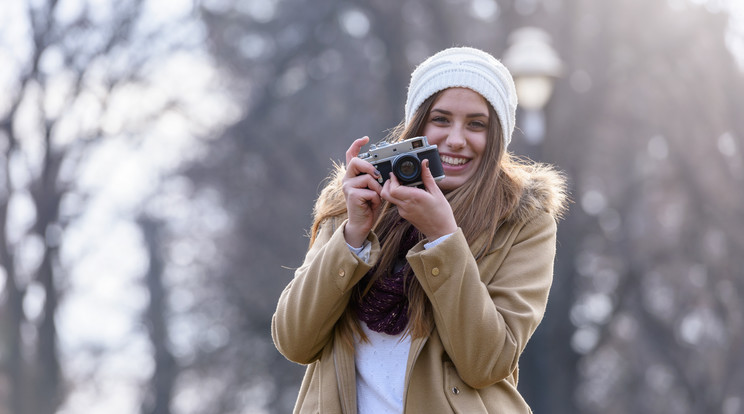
[[435, 271], [455, 390], [341, 272]]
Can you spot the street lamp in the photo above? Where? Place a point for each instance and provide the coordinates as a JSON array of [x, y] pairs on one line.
[[535, 65]]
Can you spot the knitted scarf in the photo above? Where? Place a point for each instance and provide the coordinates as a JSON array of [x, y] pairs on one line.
[[385, 306]]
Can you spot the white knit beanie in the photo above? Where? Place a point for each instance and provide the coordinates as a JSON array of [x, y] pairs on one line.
[[468, 68]]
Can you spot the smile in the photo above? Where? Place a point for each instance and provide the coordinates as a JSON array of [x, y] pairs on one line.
[[446, 159]]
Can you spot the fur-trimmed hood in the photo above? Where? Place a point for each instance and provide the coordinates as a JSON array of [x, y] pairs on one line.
[[543, 190]]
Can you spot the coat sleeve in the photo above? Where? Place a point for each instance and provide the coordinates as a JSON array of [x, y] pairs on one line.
[[485, 327], [317, 296]]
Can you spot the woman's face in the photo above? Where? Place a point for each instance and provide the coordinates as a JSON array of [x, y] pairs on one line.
[[458, 125]]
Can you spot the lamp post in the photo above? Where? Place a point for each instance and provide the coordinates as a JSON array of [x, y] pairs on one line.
[[535, 66]]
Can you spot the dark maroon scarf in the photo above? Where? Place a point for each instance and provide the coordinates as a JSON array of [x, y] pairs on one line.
[[385, 307]]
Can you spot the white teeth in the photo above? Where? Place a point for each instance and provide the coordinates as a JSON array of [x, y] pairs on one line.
[[452, 160]]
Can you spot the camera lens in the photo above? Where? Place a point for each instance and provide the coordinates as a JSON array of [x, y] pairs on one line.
[[407, 168]]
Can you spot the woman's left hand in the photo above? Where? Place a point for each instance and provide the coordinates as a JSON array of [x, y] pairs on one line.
[[427, 209]]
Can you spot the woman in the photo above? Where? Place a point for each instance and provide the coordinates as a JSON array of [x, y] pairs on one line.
[[421, 300]]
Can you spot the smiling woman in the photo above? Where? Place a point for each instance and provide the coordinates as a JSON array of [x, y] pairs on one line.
[[458, 125], [418, 299]]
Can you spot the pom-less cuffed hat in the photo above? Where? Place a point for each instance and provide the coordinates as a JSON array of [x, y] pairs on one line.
[[470, 68]]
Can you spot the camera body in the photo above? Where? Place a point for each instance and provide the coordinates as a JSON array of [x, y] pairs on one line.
[[404, 160]]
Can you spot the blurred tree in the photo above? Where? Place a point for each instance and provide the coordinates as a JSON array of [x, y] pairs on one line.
[[76, 76], [162, 383]]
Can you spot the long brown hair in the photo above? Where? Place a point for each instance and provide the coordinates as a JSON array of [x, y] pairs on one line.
[[479, 206]]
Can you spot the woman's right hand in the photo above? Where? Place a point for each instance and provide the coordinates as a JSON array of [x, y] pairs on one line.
[[362, 193]]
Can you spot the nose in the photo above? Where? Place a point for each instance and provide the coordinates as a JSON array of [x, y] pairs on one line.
[[456, 139]]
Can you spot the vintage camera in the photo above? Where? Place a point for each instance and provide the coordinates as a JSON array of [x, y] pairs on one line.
[[404, 160]]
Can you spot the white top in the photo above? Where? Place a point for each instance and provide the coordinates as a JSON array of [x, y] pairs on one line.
[[381, 371], [381, 363]]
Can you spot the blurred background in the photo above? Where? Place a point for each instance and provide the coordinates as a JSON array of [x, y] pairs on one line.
[[159, 161]]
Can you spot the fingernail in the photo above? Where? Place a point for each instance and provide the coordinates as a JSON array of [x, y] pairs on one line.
[[378, 173]]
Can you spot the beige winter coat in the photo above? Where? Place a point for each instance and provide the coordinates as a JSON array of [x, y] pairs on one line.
[[484, 313]]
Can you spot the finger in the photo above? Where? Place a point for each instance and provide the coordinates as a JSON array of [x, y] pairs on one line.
[[355, 147], [390, 189], [367, 198], [360, 198], [430, 184], [374, 201], [359, 166], [363, 181], [394, 183], [403, 192]]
